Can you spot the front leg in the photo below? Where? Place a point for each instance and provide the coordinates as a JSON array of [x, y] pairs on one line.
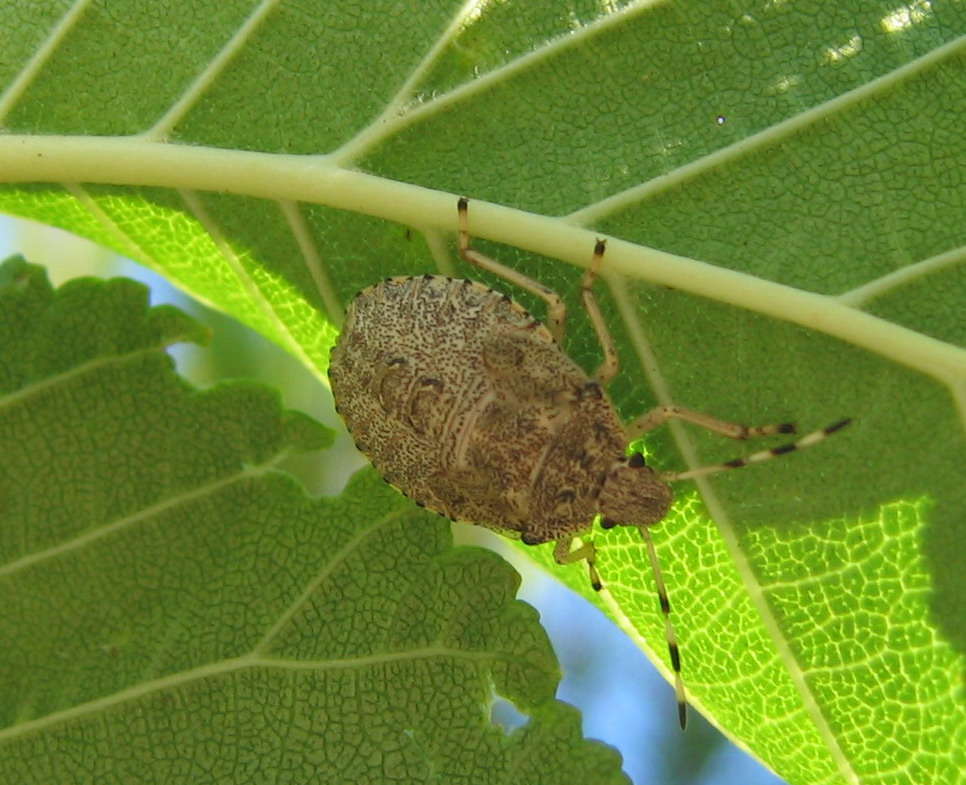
[[587, 551]]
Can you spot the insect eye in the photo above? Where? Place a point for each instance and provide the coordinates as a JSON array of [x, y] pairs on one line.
[[608, 523], [636, 461]]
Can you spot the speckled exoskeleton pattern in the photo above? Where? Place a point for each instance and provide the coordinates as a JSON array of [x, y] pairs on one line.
[[465, 402]]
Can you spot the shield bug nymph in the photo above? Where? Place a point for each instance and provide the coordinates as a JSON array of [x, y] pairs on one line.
[[469, 406]]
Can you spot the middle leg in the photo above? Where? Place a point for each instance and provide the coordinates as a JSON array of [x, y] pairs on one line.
[[659, 414]]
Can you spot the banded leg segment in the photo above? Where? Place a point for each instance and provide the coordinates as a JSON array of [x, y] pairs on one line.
[[672, 641], [757, 457]]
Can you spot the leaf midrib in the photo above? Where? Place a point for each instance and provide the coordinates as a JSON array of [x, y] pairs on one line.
[[132, 161]]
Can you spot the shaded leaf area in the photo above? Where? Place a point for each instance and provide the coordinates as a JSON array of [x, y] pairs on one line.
[[174, 608], [809, 146]]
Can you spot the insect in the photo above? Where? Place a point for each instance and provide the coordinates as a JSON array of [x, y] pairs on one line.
[[468, 405]]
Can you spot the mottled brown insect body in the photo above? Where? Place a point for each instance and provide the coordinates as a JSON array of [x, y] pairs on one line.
[[466, 403]]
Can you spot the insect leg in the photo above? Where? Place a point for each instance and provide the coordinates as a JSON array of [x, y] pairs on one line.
[[556, 310], [660, 414], [607, 370], [672, 641], [564, 555], [764, 455]]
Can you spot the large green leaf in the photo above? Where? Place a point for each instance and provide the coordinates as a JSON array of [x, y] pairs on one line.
[[782, 186], [175, 609]]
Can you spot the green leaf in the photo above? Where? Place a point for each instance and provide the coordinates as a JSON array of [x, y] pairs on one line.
[[173, 608], [780, 185]]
